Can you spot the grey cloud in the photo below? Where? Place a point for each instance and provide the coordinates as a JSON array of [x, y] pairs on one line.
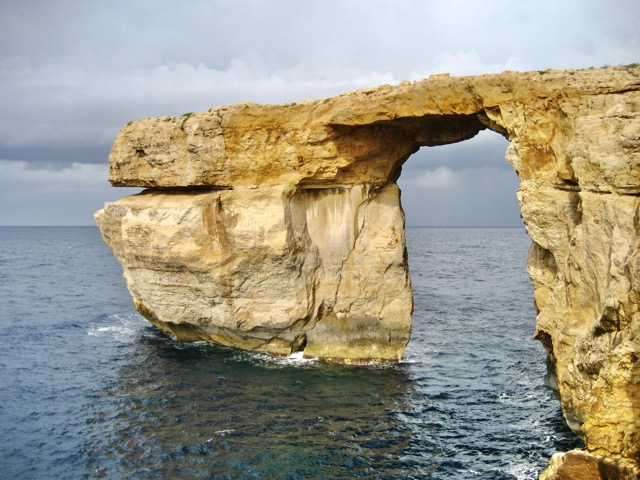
[[487, 149], [56, 157], [72, 73], [463, 184], [481, 197], [397, 36], [41, 196]]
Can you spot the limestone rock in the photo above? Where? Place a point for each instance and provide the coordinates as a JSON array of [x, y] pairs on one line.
[[275, 269], [279, 228], [580, 465]]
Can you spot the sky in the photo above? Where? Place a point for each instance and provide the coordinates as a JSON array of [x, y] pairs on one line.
[[72, 73]]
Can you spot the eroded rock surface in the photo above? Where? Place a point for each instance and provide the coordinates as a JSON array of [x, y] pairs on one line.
[[276, 269], [279, 228]]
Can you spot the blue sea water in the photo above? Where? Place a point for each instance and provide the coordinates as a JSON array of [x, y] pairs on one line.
[[88, 389]]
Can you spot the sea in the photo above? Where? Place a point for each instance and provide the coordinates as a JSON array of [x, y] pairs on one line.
[[89, 389]]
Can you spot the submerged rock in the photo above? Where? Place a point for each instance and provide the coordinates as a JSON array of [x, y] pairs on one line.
[[279, 228]]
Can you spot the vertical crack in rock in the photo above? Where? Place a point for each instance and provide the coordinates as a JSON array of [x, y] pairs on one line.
[[279, 228]]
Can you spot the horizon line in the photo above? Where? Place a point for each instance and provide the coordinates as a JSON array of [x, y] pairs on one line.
[[406, 226]]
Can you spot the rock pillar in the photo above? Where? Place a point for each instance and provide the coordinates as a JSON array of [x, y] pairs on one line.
[[279, 228]]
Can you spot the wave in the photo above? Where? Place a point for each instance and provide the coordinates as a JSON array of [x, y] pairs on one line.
[[120, 327], [522, 471]]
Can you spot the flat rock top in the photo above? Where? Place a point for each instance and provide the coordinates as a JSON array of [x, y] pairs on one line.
[[358, 137]]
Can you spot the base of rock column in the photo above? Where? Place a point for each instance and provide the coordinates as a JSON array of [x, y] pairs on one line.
[[581, 465], [277, 270]]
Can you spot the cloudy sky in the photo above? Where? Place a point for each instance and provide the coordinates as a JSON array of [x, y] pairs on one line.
[[73, 72]]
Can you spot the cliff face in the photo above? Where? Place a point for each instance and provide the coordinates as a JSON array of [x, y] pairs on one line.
[[277, 269], [279, 228]]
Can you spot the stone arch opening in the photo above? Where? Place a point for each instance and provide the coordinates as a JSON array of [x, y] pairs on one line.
[[484, 156], [245, 262], [425, 180], [459, 293], [465, 184]]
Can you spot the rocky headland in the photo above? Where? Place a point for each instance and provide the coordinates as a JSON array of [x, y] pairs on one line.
[[279, 228]]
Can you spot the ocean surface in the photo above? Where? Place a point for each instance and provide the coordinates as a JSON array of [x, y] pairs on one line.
[[88, 389]]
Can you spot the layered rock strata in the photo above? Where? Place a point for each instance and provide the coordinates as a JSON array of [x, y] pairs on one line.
[[279, 228], [277, 269]]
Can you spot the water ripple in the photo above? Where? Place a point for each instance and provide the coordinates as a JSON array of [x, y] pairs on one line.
[[91, 390]]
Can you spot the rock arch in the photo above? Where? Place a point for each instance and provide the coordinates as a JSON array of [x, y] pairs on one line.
[[279, 227]]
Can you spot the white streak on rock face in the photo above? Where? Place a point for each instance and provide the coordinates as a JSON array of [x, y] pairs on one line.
[[331, 216]]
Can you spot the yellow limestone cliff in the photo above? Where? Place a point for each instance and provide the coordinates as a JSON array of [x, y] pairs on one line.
[[279, 228]]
